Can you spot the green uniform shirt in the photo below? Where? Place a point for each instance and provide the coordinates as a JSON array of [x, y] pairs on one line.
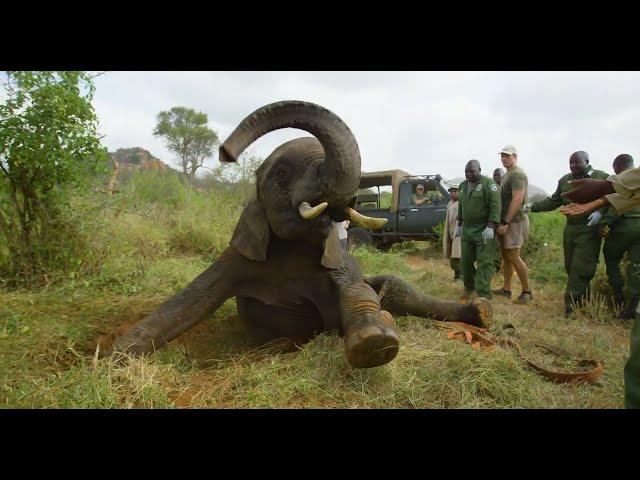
[[515, 179], [556, 200], [479, 203]]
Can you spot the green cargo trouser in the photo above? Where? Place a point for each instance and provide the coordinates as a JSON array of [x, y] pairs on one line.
[[475, 250], [632, 368], [497, 263], [623, 239], [455, 266], [581, 251]]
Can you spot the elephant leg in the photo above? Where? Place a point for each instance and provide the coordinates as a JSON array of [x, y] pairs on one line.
[[195, 303], [399, 298], [370, 336]]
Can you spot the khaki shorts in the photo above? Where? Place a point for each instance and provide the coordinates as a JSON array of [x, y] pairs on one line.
[[516, 234]]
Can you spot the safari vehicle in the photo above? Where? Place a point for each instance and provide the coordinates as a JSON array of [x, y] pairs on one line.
[[390, 194]]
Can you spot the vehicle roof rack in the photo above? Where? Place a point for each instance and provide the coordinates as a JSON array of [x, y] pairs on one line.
[[407, 178]]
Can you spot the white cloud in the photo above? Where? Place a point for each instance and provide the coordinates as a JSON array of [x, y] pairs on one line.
[[423, 122]]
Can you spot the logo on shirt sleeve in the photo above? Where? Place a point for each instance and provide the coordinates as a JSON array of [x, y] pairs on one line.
[[494, 187]]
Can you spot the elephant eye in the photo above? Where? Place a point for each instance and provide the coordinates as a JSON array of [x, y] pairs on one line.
[[281, 173]]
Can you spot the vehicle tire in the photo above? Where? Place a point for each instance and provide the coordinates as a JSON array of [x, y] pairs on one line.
[[358, 236], [383, 246]]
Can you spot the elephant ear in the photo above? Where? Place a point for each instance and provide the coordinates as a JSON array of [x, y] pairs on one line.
[[251, 236], [332, 256]]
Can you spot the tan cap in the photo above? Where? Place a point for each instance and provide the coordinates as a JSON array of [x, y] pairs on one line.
[[454, 186], [509, 150]]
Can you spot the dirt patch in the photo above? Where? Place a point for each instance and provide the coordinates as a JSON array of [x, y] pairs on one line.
[[114, 322], [185, 398], [416, 262], [105, 341]]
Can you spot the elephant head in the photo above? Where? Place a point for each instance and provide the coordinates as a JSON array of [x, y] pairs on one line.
[[304, 187]]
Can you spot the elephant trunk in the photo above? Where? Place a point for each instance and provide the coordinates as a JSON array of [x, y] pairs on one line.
[[339, 174]]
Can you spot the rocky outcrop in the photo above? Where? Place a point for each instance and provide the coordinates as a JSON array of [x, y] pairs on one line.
[[132, 159]]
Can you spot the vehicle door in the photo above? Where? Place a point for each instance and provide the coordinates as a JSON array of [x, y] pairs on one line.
[[420, 218]]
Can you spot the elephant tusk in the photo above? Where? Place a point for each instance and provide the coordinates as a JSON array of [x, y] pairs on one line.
[[363, 221], [308, 212]]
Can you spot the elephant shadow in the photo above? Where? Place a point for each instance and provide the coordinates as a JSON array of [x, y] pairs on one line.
[[225, 338]]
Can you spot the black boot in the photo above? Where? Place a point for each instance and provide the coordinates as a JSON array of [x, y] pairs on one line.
[[629, 311]]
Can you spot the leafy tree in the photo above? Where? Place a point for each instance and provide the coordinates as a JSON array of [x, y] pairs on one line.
[[187, 135], [243, 171], [48, 142], [240, 175]]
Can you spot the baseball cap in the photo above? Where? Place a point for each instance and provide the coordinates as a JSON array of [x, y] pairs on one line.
[[453, 187], [509, 150]]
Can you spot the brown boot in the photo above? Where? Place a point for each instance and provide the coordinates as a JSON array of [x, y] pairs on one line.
[[501, 292]]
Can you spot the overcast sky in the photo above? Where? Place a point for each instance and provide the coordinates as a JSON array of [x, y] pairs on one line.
[[422, 122]]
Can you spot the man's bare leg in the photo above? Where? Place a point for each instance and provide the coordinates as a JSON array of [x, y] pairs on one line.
[[507, 269], [513, 257]]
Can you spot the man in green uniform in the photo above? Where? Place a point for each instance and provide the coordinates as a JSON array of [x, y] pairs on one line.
[[622, 233], [581, 243], [622, 192], [498, 175], [478, 216]]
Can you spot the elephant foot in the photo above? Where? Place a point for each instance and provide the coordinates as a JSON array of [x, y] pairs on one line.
[[481, 313], [371, 345]]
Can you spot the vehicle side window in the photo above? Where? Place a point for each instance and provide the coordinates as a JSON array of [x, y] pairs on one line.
[[404, 195], [433, 192]]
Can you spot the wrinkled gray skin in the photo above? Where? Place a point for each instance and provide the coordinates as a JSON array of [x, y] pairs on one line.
[[290, 275]]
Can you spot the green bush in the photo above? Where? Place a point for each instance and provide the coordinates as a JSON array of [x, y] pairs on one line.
[[49, 146], [205, 223], [154, 187], [439, 229], [71, 248]]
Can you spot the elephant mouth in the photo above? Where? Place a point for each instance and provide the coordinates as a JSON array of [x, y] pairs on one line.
[[337, 214]]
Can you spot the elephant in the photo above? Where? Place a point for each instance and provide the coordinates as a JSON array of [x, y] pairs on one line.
[[285, 266]]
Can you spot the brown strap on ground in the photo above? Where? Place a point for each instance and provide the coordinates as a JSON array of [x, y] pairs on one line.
[[482, 339]]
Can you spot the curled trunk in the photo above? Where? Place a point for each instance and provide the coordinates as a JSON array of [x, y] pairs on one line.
[[340, 171]]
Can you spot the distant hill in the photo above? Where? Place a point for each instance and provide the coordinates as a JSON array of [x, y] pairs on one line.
[[136, 158], [535, 193]]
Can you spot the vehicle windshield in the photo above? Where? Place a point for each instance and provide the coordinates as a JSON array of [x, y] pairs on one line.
[[368, 198]]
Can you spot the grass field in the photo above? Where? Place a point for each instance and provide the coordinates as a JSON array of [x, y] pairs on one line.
[[48, 337]]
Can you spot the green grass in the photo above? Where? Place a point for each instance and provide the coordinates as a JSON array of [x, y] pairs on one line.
[[151, 249]]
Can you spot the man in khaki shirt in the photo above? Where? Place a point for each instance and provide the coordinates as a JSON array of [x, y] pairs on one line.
[[622, 191], [514, 225], [450, 243]]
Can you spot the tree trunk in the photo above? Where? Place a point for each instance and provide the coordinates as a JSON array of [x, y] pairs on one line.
[[114, 177]]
